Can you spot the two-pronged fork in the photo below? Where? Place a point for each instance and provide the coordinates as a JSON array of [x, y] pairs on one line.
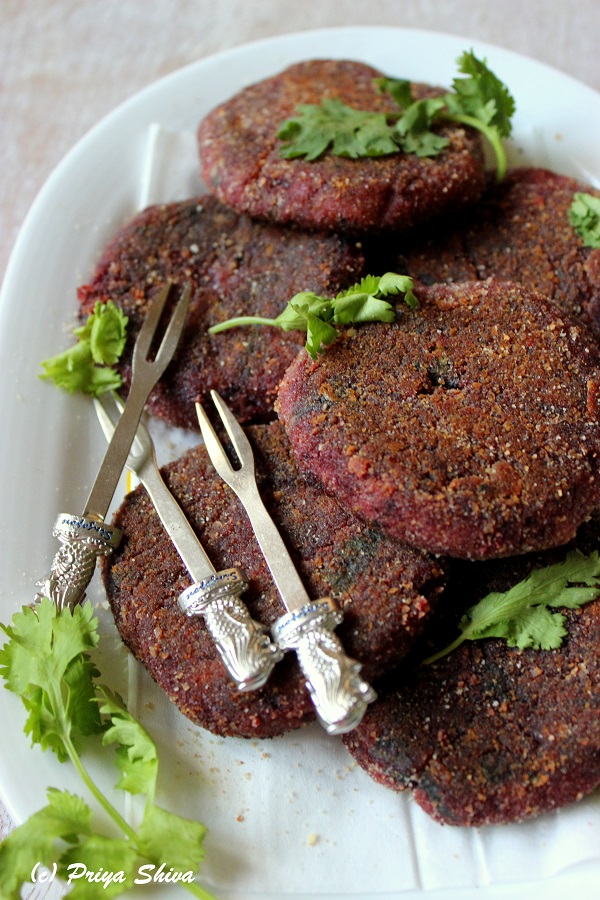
[[338, 693], [83, 538], [243, 644]]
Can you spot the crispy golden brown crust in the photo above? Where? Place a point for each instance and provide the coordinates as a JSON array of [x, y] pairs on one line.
[[235, 267], [385, 589], [469, 427], [240, 161]]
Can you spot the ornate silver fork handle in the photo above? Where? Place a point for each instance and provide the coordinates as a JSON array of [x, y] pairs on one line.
[[339, 695], [243, 644]]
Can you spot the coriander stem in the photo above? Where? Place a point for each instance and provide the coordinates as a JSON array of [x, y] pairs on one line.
[[195, 889], [240, 320], [95, 790], [447, 650], [198, 891], [493, 137]]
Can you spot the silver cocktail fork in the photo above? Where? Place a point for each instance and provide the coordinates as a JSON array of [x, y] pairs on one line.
[[338, 693], [85, 537], [243, 644]]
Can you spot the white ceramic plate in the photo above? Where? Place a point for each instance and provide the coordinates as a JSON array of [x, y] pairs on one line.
[[293, 817]]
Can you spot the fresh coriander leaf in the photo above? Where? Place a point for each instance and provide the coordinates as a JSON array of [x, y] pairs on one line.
[[482, 101], [383, 285], [46, 663], [165, 837], [105, 331], [137, 757], [522, 614], [318, 316], [72, 370], [414, 128], [295, 315], [80, 710], [584, 216], [370, 284], [319, 334], [534, 627], [392, 283], [335, 127], [479, 100], [65, 817], [361, 308], [86, 366], [115, 860], [424, 143], [398, 88], [483, 96]]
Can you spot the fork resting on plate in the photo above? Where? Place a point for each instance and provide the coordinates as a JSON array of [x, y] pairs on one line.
[[243, 644], [86, 537], [339, 695]]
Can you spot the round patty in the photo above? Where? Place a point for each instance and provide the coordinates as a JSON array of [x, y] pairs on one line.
[[519, 231], [241, 164], [469, 427], [235, 267], [385, 589], [491, 734]]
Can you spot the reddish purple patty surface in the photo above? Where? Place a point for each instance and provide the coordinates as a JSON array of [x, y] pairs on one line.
[[235, 267], [469, 427], [491, 734], [519, 231], [241, 163], [386, 590]]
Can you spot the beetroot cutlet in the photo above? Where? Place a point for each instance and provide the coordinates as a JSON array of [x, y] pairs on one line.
[[241, 164], [491, 734], [468, 427], [386, 589], [519, 231], [236, 267]]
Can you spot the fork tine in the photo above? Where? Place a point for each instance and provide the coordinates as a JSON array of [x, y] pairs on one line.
[[173, 332], [240, 442], [150, 324], [104, 418], [214, 446]]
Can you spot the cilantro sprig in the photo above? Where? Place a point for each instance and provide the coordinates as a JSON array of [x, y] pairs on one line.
[[584, 216], [321, 317], [523, 615], [479, 99], [87, 365], [46, 662]]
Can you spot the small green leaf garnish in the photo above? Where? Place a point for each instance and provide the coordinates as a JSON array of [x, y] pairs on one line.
[[414, 128], [522, 614], [482, 95], [34, 841], [87, 365], [338, 128], [479, 100], [137, 758], [320, 317], [46, 662], [584, 216]]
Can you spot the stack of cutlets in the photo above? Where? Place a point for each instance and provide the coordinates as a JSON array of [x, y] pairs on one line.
[[409, 467]]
